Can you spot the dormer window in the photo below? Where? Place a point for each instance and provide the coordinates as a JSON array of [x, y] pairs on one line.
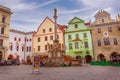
[[43, 30], [76, 26]]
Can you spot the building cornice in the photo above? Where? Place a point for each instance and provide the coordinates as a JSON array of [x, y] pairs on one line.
[[104, 24], [21, 32], [77, 31], [5, 9]]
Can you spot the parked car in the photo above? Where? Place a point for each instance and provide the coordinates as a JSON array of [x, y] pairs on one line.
[[9, 62], [16, 62], [1, 63]]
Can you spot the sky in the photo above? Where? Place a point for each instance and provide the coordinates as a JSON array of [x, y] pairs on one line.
[[29, 14]]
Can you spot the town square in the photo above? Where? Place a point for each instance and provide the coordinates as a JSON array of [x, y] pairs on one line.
[[86, 72], [59, 40]]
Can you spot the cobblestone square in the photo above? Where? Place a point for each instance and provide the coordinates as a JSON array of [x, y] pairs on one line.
[[85, 72]]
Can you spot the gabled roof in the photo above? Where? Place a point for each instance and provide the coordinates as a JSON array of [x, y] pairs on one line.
[[78, 20], [59, 26]]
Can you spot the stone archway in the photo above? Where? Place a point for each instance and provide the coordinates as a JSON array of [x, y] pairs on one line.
[[88, 58], [100, 57], [0, 55], [114, 57], [10, 57], [79, 58]]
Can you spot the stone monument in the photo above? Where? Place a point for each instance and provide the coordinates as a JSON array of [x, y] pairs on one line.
[[55, 54]]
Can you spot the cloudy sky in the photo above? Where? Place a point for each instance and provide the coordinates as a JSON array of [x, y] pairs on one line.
[[28, 14]]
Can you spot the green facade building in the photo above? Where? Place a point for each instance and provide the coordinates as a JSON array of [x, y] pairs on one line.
[[78, 41]]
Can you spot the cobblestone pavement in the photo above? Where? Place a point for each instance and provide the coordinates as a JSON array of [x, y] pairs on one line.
[[85, 72]]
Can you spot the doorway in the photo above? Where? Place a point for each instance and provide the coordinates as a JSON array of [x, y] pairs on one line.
[[0, 55], [101, 57], [88, 58]]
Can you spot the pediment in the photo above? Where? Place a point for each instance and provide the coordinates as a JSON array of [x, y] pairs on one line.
[[76, 20]]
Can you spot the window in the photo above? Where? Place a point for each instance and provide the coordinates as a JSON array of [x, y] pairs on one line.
[[15, 39], [76, 45], [3, 19], [70, 45], [86, 44], [38, 39], [109, 29], [1, 42], [99, 30], [30, 40], [51, 46], [118, 28], [38, 48], [2, 30], [69, 36], [19, 39], [115, 41], [106, 41], [50, 29], [22, 48], [51, 37], [87, 52], [85, 35], [45, 47], [17, 48], [25, 39], [45, 38], [77, 35], [43, 30], [29, 48], [99, 42], [103, 20], [57, 36], [76, 26], [11, 47]]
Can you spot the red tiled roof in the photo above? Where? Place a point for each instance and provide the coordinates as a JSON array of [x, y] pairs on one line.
[[87, 23], [71, 58]]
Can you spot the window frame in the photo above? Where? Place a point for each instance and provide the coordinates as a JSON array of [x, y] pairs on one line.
[[106, 41], [76, 45], [70, 46], [115, 41]]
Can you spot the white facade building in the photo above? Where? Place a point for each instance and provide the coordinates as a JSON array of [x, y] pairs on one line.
[[20, 45]]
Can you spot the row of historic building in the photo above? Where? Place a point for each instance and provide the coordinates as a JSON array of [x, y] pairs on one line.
[[98, 40]]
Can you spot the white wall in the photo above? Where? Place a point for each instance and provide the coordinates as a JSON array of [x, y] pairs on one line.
[[22, 54]]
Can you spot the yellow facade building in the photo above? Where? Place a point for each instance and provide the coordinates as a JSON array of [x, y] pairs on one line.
[[44, 36], [5, 14], [105, 36]]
